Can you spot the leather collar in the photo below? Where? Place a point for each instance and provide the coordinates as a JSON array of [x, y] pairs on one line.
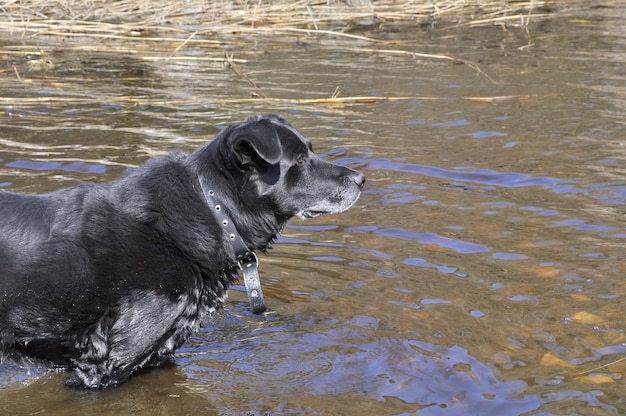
[[246, 258]]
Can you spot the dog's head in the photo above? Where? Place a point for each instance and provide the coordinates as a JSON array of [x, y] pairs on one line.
[[268, 166]]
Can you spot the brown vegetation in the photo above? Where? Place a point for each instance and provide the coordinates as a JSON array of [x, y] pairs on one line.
[[132, 18]]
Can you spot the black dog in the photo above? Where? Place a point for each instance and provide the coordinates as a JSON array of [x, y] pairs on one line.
[[104, 279]]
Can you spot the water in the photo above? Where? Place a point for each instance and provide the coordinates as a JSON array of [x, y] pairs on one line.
[[481, 272]]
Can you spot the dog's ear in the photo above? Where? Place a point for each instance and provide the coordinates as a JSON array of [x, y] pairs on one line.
[[256, 139]]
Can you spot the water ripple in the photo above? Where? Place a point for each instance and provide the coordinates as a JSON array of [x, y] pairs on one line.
[[482, 176], [460, 246], [343, 359], [74, 166]]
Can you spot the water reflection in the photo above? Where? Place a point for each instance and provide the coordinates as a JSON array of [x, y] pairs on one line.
[[163, 393], [480, 176], [52, 166], [337, 359]]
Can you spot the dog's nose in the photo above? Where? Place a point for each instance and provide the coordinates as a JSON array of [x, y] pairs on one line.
[[359, 179]]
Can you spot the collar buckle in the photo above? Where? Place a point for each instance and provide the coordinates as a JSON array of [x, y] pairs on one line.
[[249, 264]]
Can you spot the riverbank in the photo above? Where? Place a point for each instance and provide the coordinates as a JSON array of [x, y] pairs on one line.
[[126, 18]]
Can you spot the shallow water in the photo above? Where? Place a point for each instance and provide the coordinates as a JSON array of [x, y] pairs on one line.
[[481, 272]]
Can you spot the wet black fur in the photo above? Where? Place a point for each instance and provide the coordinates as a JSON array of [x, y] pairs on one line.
[[104, 279]]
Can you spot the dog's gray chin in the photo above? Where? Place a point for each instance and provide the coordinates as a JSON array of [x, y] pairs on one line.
[[311, 214]]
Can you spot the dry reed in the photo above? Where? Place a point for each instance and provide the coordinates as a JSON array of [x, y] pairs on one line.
[[136, 19]]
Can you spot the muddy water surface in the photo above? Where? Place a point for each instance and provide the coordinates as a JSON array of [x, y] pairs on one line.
[[481, 273]]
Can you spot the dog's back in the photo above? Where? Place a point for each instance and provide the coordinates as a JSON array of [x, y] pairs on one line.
[[33, 274], [105, 277]]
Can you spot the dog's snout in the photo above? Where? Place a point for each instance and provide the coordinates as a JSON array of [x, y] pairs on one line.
[[359, 179]]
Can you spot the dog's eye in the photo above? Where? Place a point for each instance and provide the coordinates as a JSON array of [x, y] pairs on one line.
[[300, 160]]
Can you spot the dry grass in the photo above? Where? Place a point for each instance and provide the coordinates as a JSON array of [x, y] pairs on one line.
[[145, 18], [140, 26]]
